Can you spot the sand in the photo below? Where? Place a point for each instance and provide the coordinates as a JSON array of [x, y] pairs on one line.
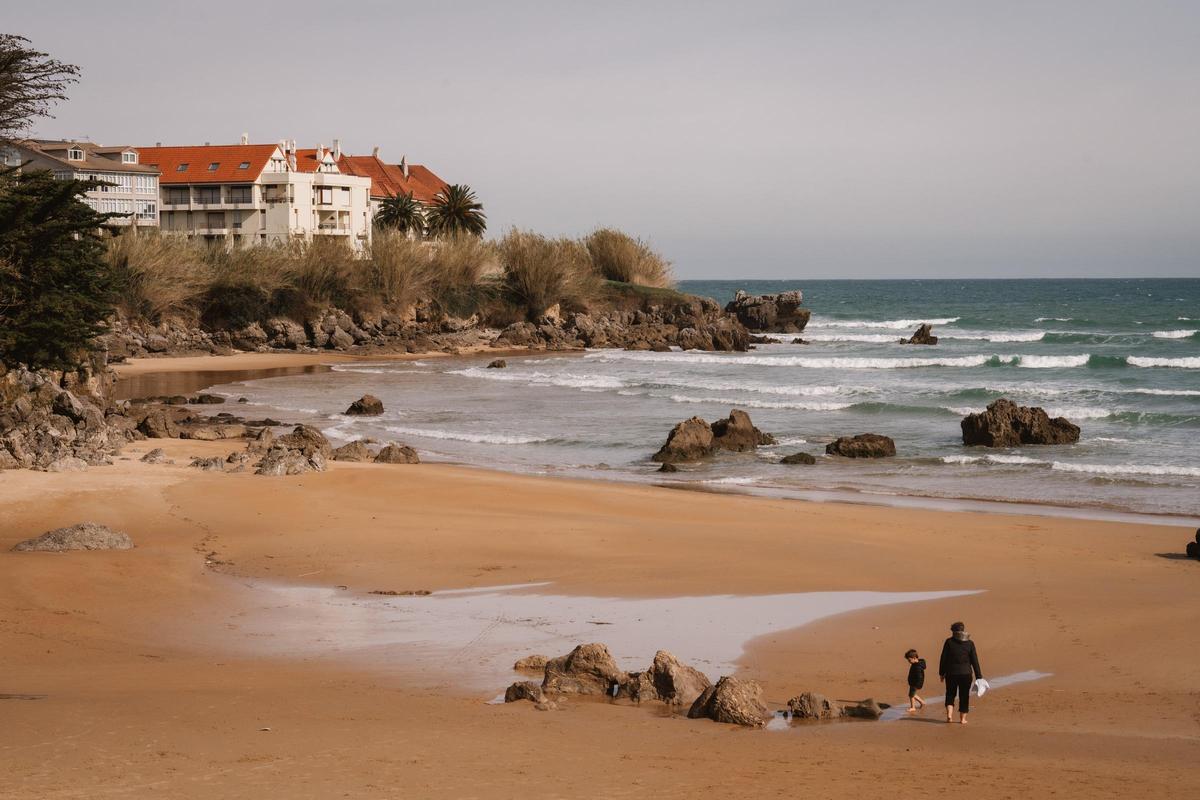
[[155, 683]]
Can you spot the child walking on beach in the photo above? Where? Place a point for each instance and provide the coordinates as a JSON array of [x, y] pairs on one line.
[[916, 680]]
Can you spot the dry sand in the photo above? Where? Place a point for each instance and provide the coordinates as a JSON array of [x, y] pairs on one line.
[[150, 690]]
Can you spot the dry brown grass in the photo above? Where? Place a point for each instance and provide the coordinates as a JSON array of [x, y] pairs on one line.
[[158, 274], [399, 270], [617, 256], [541, 272]]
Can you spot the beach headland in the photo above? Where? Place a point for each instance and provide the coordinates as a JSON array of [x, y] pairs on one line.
[[152, 671]]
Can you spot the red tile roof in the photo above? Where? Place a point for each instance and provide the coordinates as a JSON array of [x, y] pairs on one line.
[[387, 180], [228, 159], [306, 160]]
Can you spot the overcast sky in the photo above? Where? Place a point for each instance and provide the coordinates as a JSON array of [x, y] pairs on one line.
[[744, 139]]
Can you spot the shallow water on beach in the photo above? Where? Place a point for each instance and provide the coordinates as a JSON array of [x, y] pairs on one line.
[[477, 634], [1116, 357]]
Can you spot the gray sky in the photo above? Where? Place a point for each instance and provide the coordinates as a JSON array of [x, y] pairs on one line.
[[752, 139]]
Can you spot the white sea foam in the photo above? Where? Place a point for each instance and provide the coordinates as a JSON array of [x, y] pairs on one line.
[[1047, 362], [995, 458], [1166, 392], [1053, 319], [464, 436], [735, 481], [756, 388], [893, 324], [786, 441], [1179, 363], [1178, 334], [566, 379], [868, 338], [734, 403], [962, 411], [1127, 469], [792, 361], [1110, 439], [1081, 412]]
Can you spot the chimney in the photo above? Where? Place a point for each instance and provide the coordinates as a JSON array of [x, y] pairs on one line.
[[158, 144], [320, 154], [245, 138], [375, 151], [404, 165], [337, 149], [208, 144]]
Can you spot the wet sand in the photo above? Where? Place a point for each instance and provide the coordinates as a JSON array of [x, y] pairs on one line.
[[159, 680]]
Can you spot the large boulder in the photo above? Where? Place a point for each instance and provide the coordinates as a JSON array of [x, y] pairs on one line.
[[670, 680], [307, 440], [588, 669], [811, 705], [798, 458], [731, 700], [1005, 424], [524, 690], [280, 460], [922, 335], [737, 433], [864, 445], [690, 440], [83, 536], [158, 424], [779, 313], [397, 454], [367, 405], [354, 451]]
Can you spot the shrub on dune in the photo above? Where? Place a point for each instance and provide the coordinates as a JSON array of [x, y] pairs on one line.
[[617, 256], [399, 270], [157, 273], [540, 272]]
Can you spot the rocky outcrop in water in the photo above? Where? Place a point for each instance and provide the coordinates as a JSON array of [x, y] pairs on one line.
[[798, 458], [922, 335], [738, 434], [775, 313], [67, 418], [499, 363], [735, 701], [864, 445], [83, 536], [368, 405], [1005, 424], [694, 439]]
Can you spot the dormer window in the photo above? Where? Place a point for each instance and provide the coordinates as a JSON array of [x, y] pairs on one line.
[[212, 166], [75, 154], [182, 167], [128, 158], [244, 165]]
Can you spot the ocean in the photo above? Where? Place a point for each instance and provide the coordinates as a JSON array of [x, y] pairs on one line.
[[1120, 358]]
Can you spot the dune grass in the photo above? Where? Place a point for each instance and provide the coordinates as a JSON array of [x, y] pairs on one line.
[[540, 272], [617, 256]]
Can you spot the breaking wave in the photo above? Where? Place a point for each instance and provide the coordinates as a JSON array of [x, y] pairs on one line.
[[463, 436], [1178, 334], [1179, 363], [891, 324], [1127, 469], [795, 406]]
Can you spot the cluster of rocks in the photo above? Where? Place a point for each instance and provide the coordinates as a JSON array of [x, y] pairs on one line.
[[922, 335], [774, 313], [82, 536], [694, 439], [689, 323], [590, 669], [59, 420], [415, 332], [1193, 548], [1005, 424]]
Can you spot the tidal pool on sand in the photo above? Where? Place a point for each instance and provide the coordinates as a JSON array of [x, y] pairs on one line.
[[476, 635]]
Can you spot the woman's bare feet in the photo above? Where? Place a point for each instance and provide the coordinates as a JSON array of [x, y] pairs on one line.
[[962, 719]]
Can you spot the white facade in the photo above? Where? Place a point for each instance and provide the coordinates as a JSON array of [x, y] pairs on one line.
[[128, 188], [206, 193]]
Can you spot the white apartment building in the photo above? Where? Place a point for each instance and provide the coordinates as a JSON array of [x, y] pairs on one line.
[[259, 193], [128, 187]]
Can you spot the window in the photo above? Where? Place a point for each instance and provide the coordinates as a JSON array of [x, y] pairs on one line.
[[215, 220], [177, 195], [244, 165], [212, 166], [208, 194], [324, 196], [182, 167], [147, 209], [75, 154], [128, 158], [345, 200], [147, 184], [241, 194]]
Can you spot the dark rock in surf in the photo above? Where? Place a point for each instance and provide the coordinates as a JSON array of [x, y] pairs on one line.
[[1005, 424], [366, 406], [737, 433], [779, 313], [864, 445], [690, 440], [923, 335], [798, 458], [397, 454], [499, 363], [668, 467]]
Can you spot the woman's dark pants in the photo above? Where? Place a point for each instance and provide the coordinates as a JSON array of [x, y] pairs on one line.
[[960, 685]]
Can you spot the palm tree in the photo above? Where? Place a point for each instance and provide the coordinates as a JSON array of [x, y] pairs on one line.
[[455, 210], [401, 212]]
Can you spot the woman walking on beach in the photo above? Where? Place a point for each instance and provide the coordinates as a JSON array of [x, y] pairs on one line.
[[959, 668]]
